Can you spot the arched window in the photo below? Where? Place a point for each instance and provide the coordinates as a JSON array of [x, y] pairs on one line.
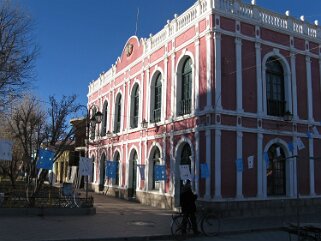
[[134, 107], [117, 119], [93, 127], [156, 98], [104, 121], [275, 91], [117, 159], [275, 171], [186, 157], [186, 88], [156, 161]]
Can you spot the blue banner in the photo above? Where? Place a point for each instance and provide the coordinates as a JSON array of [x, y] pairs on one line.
[[239, 165], [141, 171], [45, 159], [111, 169], [204, 170], [160, 172]]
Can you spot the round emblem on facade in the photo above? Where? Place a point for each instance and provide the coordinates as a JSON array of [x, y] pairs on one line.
[[129, 49]]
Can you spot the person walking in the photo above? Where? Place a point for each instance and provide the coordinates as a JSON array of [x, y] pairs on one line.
[[187, 202]]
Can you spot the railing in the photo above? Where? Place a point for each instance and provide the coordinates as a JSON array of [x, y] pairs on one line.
[[157, 115], [185, 107], [275, 107]]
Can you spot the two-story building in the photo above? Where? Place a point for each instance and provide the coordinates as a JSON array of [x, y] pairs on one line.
[[230, 89]]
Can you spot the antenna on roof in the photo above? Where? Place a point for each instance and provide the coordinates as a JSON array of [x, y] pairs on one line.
[[137, 21]]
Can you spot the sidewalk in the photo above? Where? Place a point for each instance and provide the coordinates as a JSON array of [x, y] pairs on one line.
[[118, 219]]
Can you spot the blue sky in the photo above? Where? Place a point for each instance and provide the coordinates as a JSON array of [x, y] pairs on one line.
[[79, 39]]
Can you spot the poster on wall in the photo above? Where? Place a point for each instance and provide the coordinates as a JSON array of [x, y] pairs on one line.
[[141, 169], [185, 172], [204, 170], [160, 172]]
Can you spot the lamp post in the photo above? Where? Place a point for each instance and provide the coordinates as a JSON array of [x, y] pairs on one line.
[[90, 122]]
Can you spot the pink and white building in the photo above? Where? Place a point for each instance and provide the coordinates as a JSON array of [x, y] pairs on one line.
[[221, 82]]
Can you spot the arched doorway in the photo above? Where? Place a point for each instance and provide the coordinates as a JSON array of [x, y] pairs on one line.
[[132, 178], [183, 157], [276, 171], [102, 171]]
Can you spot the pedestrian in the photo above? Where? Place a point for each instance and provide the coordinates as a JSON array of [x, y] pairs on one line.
[[187, 201]]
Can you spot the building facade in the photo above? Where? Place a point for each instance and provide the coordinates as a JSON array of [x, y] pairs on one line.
[[229, 89]]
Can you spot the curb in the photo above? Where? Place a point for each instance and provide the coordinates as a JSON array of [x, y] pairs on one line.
[[169, 236]]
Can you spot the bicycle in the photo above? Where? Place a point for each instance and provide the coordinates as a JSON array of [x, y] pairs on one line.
[[208, 222]]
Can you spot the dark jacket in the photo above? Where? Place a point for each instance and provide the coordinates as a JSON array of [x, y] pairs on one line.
[[187, 200]]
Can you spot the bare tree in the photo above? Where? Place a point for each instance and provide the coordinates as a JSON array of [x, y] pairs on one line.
[[17, 51], [27, 126]]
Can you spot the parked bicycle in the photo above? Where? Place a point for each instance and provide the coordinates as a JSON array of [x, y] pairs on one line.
[[208, 222]]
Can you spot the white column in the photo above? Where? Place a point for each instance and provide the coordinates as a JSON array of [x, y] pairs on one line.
[[239, 85], [239, 175], [164, 89], [173, 89], [126, 97], [208, 72], [197, 161], [292, 171], [145, 112], [197, 74], [309, 83], [208, 137], [218, 75], [311, 165], [294, 92], [259, 79], [217, 164], [260, 163]]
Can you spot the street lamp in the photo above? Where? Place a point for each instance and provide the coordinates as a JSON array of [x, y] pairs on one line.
[[95, 119], [90, 124]]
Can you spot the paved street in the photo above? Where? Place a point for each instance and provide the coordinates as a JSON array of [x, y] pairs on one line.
[[123, 220]]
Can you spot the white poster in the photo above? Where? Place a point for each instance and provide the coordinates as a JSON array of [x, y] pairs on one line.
[[315, 131], [85, 166], [300, 144], [185, 172], [250, 162], [5, 150]]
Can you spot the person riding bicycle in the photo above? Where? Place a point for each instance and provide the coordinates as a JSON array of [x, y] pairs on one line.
[[187, 202]]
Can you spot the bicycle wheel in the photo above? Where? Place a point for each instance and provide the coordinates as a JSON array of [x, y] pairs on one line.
[[210, 225], [176, 226]]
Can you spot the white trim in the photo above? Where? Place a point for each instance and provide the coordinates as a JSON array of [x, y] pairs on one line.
[[239, 73], [217, 163], [287, 79], [209, 51], [294, 90], [197, 161], [218, 74], [179, 65], [259, 82], [309, 88], [289, 183], [196, 74], [260, 168], [208, 182], [239, 175]]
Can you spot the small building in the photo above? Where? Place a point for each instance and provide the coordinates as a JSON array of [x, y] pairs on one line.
[[229, 89]]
